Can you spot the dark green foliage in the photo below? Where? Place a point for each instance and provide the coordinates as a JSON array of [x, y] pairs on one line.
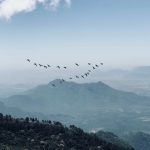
[[31, 134]]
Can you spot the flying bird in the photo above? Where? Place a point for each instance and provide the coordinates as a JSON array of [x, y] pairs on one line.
[[89, 70], [35, 64], [86, 74], [40, 65], [101, 63], [77, 77], [82, 76], [89, 63], [63, 80], [48, 65], [45, 67], [65, 67], [58, 67], [97, 66], [94, 68], [28, 60], [70, 78], [76, 64]]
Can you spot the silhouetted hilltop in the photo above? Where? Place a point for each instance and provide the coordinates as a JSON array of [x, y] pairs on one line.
[[31, 134]]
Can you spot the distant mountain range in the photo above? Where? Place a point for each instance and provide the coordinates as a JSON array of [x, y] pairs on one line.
[[139, 140], [141, 72], [93, 106], [16, 112], [76, 99], [112, 138], [8, 90], [136, 80]]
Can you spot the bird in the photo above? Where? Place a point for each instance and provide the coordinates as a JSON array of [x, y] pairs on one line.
[[53, 85], [48, 65], [89, 70], [77, 77], [97, 66], [28, 60], [94, 68], [63, 80], [40, 65], [58, 67], [82, 76], [101, 63], [35, 64], [89, 63], [76, 64], [65, 67], [86, 74], [45, 67], [70, 78]]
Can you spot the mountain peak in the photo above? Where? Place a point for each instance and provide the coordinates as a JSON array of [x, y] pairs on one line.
[[55, 81], [60, 81], [96, 85]]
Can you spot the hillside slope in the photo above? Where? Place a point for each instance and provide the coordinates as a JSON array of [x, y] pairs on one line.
[[77, 99], [31, 134], [139, 140], [93, 106]]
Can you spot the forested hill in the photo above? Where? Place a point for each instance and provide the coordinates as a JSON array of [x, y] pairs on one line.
[[29, 133]]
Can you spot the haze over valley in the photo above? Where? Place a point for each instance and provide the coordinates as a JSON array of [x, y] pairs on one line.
[[74, 75]]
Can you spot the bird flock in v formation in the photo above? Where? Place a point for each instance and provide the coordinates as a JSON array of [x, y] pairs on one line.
[[86, 74]]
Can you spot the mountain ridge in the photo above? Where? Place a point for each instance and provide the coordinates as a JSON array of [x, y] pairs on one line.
[[69, 94], [88, 103]]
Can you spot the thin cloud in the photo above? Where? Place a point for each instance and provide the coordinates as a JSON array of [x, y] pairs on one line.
[[9, 8]]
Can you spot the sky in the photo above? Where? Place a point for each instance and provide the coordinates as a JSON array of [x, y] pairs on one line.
[[116, 32]]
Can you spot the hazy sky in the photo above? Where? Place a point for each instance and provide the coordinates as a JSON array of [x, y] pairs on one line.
[[116, 32]]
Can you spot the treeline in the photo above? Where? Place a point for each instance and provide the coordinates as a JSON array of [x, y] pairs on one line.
[[32, 134]]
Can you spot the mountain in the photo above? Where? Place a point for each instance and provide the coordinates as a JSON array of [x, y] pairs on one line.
[[112, 138], [76, 99], [16, 112], [139, 140], [9, 90], [10, 110], [29, 133], [141, 72], [93, 105], [134, 80]]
